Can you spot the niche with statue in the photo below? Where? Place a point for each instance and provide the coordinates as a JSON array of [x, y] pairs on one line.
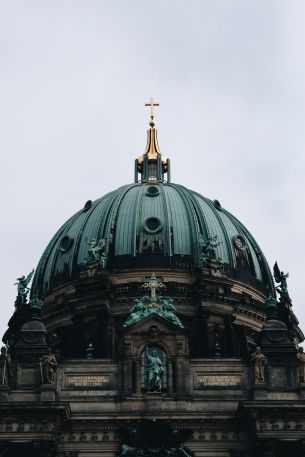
[[153, 370]]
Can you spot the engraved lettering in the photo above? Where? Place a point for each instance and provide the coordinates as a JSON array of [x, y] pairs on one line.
[[219, 380], [87, 380]]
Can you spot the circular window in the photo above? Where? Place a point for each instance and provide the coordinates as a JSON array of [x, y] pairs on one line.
[[66, 243], [239, 242], [153, 225], [217, 204], [87, 205], [152, 191]]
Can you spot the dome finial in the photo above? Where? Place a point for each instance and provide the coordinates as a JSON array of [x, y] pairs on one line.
[[152, 103], [151, 164]]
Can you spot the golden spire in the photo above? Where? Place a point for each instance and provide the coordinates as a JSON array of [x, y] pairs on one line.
[[151, 164], [152, 147]]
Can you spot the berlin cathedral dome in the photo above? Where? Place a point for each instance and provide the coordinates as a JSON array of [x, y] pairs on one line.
[[153, 326]]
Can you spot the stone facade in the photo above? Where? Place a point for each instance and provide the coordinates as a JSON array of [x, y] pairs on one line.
[[213, 369], [208, 388]]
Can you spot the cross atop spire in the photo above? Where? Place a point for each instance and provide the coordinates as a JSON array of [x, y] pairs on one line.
[[152, 165], [152, 103]]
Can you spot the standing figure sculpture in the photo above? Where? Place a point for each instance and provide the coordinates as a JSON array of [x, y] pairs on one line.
[[5, 367], [301, 365], [281, 278], [259, 363], [48, 365], [22, 287], [154, 372]]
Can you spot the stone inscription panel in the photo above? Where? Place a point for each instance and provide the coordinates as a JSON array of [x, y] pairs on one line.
[[87, 381], [218, 380]]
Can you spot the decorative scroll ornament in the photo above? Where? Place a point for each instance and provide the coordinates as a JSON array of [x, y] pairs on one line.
[[97, 252], [208, 256], [154, 304], [281, 278], [22, 287]]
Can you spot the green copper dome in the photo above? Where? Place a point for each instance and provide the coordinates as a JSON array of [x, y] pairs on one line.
[[152, 225]]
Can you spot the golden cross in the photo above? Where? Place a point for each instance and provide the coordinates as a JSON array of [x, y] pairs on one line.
[[152, 103]]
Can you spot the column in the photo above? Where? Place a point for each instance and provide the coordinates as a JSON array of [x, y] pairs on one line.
[[170, 387]]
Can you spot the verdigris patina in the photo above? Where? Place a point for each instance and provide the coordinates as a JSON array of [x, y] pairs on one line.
[[154, 439], [22, 287], [208, 256], [146, 305], [281, 278], [36, 304], [142, 308], [154, 372], [97, 252]]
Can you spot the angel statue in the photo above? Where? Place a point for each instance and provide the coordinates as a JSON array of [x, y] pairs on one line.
[[22, 287], [208, 252], [97, 251], [281, 278]]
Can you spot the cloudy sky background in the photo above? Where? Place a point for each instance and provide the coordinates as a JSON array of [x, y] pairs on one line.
[[230, 79]]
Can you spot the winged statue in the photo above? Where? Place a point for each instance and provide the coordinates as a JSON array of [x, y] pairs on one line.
[[281, 278], [22, 286]]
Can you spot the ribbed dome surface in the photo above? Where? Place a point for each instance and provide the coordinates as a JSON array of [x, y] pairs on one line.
[[151, 225]]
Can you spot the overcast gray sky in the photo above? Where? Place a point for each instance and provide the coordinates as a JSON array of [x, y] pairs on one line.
[[230, 79]]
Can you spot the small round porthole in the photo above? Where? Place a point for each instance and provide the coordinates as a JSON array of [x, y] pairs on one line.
[[152, 191], [239, 242], [153, 225], [87, 205], [217, 204], [66, 243]]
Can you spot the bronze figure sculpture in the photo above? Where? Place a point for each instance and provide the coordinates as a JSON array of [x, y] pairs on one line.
[[154, 372]]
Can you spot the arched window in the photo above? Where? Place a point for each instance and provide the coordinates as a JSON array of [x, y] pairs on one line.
[[153, 370]]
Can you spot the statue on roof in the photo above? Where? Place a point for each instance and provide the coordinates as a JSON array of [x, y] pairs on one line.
[[97, 251], [138, 311], [22, 287], [281, 278]]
